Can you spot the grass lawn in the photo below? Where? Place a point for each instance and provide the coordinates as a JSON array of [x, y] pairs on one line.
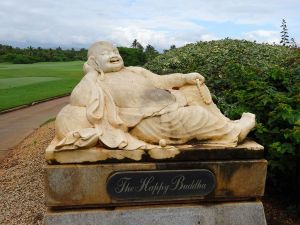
[[25, 83]]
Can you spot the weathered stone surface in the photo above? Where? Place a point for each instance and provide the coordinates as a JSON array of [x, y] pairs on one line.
[[78, 185], [242, 213], [189, 152]]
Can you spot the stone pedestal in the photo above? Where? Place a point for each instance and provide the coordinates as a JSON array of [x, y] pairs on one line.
[[79, 193], [241, 213]]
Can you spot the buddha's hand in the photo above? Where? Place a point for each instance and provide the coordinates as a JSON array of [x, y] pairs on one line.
[[191, 78]]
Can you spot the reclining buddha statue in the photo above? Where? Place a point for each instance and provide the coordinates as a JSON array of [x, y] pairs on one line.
[[130, 108]]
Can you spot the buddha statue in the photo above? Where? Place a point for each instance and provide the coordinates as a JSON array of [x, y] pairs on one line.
[[130, 108]]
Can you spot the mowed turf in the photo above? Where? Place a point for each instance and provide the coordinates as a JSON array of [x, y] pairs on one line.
[[25, 83]]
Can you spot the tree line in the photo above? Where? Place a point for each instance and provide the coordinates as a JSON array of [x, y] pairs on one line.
[[133, 56], [32, 55]]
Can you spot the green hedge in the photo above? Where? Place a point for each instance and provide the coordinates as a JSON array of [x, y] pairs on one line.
[[249, 77]]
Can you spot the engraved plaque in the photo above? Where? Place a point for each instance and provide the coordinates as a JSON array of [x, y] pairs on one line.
[[160, 184]]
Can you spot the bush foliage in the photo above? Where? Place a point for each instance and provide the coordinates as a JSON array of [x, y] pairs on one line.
[[263, 79]]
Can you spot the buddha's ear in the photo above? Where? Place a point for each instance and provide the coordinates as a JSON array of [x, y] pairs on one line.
[[89, 65], [92, 61]]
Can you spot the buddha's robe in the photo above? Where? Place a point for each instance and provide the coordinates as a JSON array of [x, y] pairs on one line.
[[135, 109]]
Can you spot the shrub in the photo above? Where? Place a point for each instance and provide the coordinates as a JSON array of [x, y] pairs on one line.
[[258, 78], [132, 56]]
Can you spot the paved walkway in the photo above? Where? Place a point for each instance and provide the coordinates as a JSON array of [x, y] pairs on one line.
[[16, 125]]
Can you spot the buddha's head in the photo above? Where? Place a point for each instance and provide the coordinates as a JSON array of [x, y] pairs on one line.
[[103, 55]]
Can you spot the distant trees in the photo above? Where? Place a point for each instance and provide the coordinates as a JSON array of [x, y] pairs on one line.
[[132, 56], [136, 55], [172, 47], [136, 44], [293, 43], [32, 55], [284, 34], [150, 52]]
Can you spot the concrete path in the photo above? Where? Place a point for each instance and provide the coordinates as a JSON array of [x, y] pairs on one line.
[[16, 125]]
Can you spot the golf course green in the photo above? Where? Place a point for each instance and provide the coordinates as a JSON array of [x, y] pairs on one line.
[[26, 83]]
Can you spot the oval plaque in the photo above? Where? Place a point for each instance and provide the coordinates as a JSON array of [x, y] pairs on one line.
[[160, 184]]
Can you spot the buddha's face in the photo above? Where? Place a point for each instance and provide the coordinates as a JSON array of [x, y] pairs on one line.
[[108, 58]]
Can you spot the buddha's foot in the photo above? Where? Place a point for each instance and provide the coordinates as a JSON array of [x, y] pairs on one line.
[[247, 123]]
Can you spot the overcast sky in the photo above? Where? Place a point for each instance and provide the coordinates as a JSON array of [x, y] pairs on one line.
[[79, 23]]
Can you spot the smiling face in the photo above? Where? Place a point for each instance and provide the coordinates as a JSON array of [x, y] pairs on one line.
[[105, 57]]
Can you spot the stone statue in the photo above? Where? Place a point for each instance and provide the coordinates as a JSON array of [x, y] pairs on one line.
[[130, 108]]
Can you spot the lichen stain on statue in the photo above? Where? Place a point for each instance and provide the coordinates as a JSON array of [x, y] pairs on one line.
[[125, 112]]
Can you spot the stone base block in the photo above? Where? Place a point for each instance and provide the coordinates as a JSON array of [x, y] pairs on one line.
[[241, 213], [86, 185]]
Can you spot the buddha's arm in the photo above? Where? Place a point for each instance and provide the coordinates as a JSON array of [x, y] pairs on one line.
[[166, 81], [175, 80], [82, 93]]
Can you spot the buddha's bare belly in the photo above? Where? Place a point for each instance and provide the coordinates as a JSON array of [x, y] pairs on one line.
[[131, 90]]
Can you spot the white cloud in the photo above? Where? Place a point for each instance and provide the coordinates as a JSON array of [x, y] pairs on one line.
[[159, 38], [78, 23], [267, 36]]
